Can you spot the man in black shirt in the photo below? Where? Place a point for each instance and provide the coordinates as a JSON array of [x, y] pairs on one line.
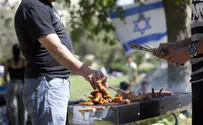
[[48, 52]]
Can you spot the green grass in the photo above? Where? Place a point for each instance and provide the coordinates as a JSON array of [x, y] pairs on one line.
[[80, 87], [165, 120]]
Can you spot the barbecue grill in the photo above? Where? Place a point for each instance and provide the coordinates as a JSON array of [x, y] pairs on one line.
[[113, 114]]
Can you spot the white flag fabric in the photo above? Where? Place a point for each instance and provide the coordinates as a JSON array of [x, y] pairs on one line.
[[144, 24]]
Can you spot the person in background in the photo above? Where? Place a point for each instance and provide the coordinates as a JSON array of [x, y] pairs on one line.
[[1, 70], [143, 88], [132, 71], [124, 86], [15, 67]]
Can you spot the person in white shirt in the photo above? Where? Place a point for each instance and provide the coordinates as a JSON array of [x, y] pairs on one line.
[[132, 71], [1, 70]]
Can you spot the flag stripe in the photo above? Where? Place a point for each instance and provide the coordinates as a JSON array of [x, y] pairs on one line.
[[126, 48], [145, 39], [136, 10]]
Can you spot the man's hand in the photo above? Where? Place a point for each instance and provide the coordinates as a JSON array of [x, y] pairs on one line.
[[92, 76], [163, 50], [178, 56], [172, 53]]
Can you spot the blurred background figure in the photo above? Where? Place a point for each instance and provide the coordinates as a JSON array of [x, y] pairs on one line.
[[132, 71], [15, 67], [143, 88], [1, 69], [125, 86]]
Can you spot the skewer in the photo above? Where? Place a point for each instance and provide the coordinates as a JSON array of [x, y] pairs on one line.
[[148, 47], [139, 47], [118, 91]]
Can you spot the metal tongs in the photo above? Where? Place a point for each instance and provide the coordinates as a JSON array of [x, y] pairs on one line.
[[143, 48], [148, 49], [118, 91]]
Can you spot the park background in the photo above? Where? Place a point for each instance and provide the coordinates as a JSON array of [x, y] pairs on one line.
[[95, 43]]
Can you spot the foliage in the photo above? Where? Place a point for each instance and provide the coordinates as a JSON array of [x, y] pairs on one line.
[[7, 31], [1, 81], [118, 67], [145, 69], [2, 61], [165, 120], [98, 49], [92, 16], [87, 61]]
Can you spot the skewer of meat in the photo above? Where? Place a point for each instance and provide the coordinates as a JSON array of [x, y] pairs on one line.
[[101, 96]]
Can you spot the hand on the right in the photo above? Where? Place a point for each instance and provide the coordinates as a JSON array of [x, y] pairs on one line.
[[164, 49]]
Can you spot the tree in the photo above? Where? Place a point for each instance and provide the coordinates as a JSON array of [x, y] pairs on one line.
[[178, 25], [7, 31], [91, 17]]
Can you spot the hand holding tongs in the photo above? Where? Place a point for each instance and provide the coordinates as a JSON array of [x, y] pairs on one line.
[[143, 48], [146, 48]]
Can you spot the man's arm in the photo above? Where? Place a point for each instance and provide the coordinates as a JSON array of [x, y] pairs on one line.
[[183, 43], [53, 44]]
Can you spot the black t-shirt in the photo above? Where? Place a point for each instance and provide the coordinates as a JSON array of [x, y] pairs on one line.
[[16, 73], [35, 19]]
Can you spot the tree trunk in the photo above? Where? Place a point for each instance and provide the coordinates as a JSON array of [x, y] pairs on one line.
[[178, 25]]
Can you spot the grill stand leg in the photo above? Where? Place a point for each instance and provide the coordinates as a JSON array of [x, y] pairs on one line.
[[176, 119]]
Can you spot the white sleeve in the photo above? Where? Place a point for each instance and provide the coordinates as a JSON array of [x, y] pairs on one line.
[[133, 65]]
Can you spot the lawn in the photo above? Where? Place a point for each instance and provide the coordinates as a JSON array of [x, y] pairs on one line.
[[80, 87], [166, 120]]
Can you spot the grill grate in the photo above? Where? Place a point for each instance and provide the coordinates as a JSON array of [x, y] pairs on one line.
[[122, 114]]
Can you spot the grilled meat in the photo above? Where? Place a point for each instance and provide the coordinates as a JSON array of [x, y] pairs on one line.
[[101, 96], [147, 96]]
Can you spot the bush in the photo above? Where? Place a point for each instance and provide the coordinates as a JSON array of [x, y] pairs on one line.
[[87, 61], [145, 67], [144, 70], [2, 61], [118, 67]]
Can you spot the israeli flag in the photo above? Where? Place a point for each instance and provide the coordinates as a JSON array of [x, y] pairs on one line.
[[144, 24]]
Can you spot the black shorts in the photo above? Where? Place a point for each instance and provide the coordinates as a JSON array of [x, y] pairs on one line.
[[197, 103]]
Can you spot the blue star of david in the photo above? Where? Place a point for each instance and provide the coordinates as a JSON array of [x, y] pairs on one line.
[[146, 27]]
